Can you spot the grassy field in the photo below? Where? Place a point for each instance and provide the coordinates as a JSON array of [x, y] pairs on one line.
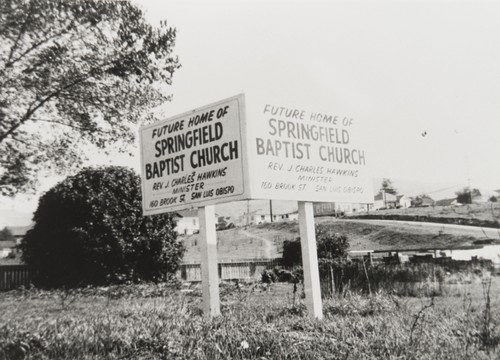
[[156, 322]]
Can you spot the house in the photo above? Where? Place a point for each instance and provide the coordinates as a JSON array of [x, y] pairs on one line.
[[19, 231], [263, 216], [286, 217], [338, 209], [403, 201], [324, 209], [423, 201], [224, 222], [187, 222], [8, 247], [384, 200], [255, 217]]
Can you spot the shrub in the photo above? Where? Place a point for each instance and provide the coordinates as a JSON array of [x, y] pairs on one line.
[[90, 230], [292, 253], [330, 245]]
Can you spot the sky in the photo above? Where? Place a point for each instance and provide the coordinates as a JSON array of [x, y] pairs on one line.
[[421, 79]]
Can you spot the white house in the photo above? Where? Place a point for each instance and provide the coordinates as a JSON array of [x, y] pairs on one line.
[[187, 222], [384, 200], [264, 216], [5, 251], [403, 201]]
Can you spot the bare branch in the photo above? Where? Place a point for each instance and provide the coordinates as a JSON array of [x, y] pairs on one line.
[[34, 47], [20, 35], [80, 128], [42, 102]]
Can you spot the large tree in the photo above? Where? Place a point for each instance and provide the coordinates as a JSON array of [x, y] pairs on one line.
[[89, 229], [75, 74], [388, 187]]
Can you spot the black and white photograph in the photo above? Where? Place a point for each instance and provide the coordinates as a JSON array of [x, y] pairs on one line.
[[249, 179]]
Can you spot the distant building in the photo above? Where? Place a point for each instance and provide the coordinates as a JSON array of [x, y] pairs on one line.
[[19, 231], [187, 222], [403, 201], [324, 209], [384, 200], [6, 248], [339, 209], [10, 247], [263, 216], [224, 222], [423, 201]]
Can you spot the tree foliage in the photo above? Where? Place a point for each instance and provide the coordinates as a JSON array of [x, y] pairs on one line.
[[292, 253], [388, 187], [464, 196], [330, 246], [90, 230], [75, 74], [6, 235]]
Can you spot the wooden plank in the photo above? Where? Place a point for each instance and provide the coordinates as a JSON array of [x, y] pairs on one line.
[[310, 260], [209, 270]]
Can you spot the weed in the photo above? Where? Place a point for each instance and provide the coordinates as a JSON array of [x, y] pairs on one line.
[[154, 322], [419, 315]]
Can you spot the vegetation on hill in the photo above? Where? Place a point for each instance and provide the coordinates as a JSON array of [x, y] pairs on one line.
[[484, 215], [253, 241]]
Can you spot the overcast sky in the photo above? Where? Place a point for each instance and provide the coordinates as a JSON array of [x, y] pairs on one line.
[[421, 79]]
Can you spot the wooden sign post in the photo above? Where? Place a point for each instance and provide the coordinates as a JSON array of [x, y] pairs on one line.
[[310, 260], [209, 271]]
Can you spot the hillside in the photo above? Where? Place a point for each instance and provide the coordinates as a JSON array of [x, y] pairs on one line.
[[486, 214], [266, 240]]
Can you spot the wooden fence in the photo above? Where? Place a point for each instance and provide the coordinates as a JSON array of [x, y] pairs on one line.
[[14, 276], [241, 270]]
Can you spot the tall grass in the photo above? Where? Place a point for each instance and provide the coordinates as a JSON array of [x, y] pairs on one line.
[[155, 322], [407, 279]]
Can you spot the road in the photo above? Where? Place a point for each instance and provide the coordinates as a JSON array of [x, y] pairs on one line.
[[475, 231]]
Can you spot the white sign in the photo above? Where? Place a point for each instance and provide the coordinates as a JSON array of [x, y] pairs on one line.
[[307, 155], [214, 155], [194, 159]]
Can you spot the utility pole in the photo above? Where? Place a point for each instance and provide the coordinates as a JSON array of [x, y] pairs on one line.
[[248, 211], [271, 209]]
